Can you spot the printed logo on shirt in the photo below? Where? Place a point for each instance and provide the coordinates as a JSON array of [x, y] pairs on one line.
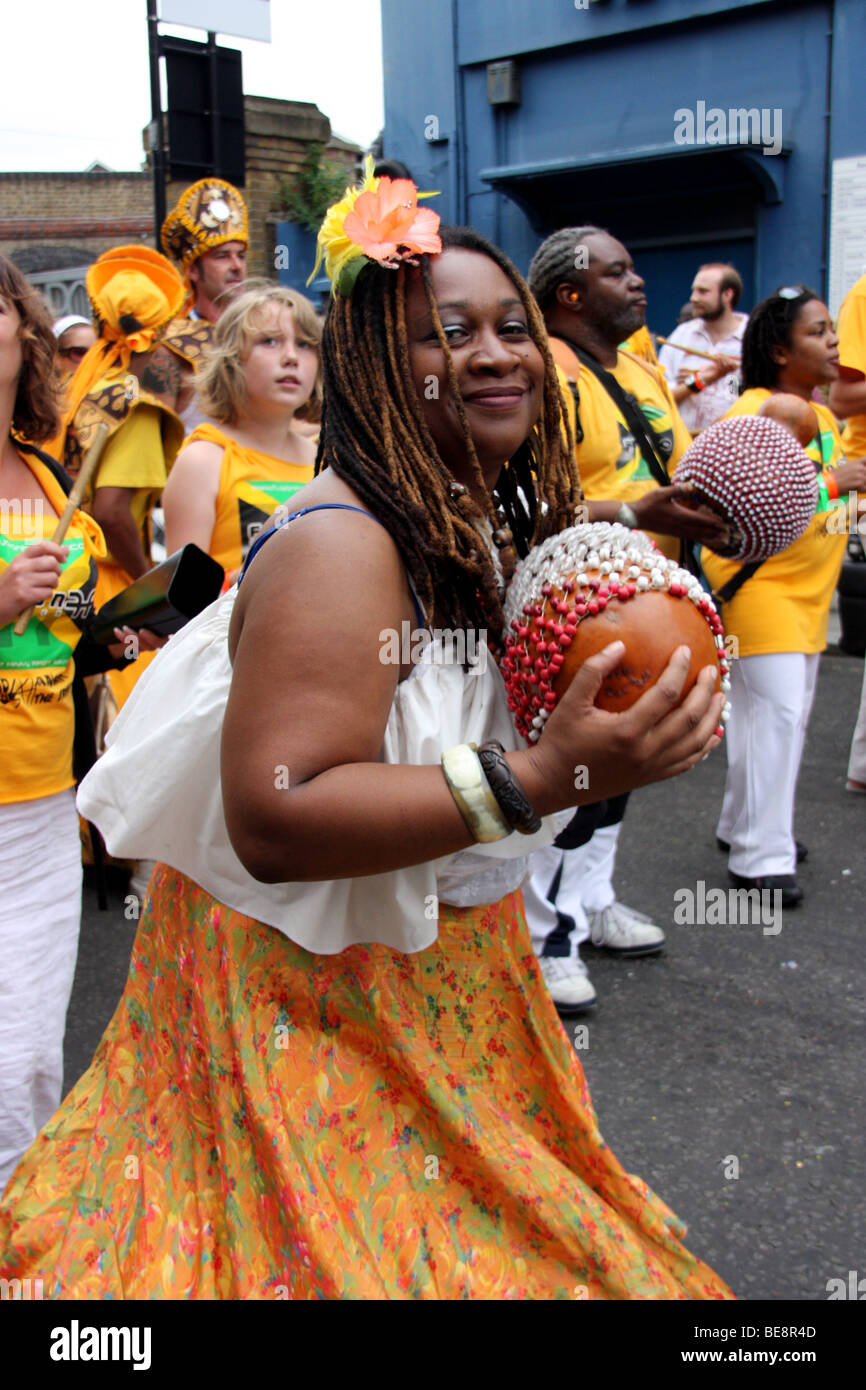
[[254, 519], [630, 457], [51, 635]]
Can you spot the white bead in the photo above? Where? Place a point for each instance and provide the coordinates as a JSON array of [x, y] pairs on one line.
[[643, 582]]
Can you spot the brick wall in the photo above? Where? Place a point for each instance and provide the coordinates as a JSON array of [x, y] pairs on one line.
[[94, 211]]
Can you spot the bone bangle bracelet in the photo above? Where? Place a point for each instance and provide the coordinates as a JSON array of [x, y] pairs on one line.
[[475, 801]]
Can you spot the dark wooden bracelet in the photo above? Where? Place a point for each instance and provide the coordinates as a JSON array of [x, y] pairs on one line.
[[509, 794]]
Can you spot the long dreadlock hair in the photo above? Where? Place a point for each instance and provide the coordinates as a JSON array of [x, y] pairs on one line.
[[375, 437], [770, 324]]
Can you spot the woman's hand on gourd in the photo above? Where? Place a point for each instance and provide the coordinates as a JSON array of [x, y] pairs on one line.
[[653, 740]]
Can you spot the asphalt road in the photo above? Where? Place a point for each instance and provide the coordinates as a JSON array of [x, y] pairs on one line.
[[736, 1044]]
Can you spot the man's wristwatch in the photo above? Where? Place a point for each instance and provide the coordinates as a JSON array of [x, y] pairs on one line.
[[694, 383]]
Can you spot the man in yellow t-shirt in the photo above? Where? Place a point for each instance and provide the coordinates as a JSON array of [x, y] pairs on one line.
[[593, 299]]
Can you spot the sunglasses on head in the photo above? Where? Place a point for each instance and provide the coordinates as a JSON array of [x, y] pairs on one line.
[[791, 292]]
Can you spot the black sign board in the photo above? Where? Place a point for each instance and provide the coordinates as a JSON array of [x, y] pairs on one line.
[[205, 110]]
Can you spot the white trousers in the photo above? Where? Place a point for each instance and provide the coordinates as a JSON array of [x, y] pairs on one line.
[[771, 699], [857, 761], [585, 886], [40, 915]]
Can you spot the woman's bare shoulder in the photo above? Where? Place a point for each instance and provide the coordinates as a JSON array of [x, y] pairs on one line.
[[328, 558]]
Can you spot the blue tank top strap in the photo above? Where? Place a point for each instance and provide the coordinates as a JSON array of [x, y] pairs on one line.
[[322, 507]]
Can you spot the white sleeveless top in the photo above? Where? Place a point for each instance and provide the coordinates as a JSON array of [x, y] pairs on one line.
[[156, 794]]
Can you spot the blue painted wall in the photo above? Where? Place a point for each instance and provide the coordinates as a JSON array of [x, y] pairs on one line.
[[600, 88]]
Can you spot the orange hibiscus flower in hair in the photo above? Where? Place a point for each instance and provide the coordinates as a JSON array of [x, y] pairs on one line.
[[388, 225]]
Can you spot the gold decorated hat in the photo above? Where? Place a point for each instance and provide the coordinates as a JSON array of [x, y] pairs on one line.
[[207, 214]]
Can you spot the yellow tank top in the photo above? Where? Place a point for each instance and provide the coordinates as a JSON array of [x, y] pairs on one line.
[[37, 720], [251, 487]]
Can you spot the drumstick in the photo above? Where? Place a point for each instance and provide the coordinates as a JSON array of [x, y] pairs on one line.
[[695, 352], [88, 467]]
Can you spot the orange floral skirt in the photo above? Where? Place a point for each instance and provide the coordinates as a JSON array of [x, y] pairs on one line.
[[261, 1122]]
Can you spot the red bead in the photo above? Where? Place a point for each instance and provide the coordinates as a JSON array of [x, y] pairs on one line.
[[565, 640], [593, 605], [550, 700]]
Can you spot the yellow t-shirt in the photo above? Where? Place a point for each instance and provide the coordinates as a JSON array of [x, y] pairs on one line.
[[251, 487], [785, 605], [641, 344], [37, 719], [612, 466], [136, 456], [852, 353]]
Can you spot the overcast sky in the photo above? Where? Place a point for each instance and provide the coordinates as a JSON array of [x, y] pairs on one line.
[[76, 86]]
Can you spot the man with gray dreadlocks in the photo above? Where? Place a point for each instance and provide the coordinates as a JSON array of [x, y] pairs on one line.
[[628, 434]]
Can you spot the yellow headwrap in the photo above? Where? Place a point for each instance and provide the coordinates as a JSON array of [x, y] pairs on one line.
[[134, 291]]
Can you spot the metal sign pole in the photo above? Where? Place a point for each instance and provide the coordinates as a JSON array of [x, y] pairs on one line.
[[216, 145], [155, 141]]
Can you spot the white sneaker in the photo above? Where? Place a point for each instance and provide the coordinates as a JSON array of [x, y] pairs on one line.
[[568, 983], [625, 931]]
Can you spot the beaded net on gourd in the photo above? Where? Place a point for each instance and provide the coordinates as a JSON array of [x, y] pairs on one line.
[[754, 472], [571, 577]]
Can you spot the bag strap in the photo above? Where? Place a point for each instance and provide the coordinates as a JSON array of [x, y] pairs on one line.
[[575, 396], [57, 470], [736, 581], [645, 436]]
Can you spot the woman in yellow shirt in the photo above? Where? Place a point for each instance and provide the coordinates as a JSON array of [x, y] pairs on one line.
[[40, 693], [779, 615], [261, 374]]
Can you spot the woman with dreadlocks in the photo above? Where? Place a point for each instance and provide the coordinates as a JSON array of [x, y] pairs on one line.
[[336, 1071], [779, 614]]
